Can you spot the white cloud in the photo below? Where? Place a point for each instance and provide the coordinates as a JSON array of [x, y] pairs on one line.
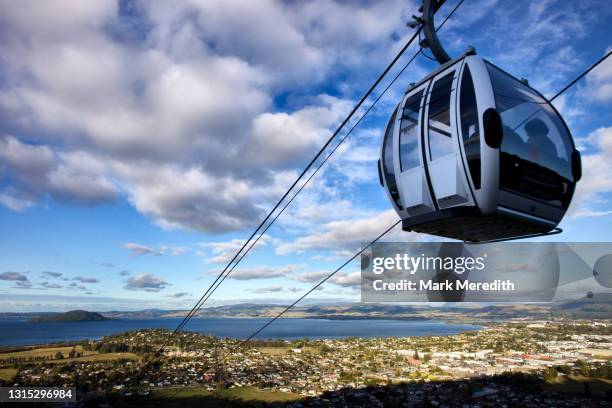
[[224, 251], [85, 279], [282, 49], [543, 36], [49, 285], [23, 285], [310, 277], [13, 276], [340, 278], [348, 31], [184, 123], [286, 139], [75, 285], [138, 249], [146, 282], [275, 289], [599, 83], [20, 280], [347, 234], [45, 19], [10, 200], [352, 279], [37, 170], [597, 176], [178, 295], [262, 272], [178, 250], [51, 274], [160, 102], [191, 198], [328, 197]]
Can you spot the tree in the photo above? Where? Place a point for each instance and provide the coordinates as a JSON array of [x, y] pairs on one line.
[[584, 368], [59, 355], [550, 374], [416, 354]]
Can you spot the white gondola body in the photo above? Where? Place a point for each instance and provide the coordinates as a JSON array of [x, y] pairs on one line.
[[439, 187]]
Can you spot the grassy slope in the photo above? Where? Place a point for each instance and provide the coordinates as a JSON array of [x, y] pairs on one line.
[[99, 357], [575, 384], [287, 350], [51, 351], [200, 397], [8, 374], [43, 352]]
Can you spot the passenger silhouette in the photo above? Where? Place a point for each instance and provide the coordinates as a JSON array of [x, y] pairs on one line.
[[537, 133]]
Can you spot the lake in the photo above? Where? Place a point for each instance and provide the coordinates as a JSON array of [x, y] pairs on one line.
[[15, 331]]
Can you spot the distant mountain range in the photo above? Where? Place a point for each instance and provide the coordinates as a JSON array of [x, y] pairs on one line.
[[600, 305], [597, 307]]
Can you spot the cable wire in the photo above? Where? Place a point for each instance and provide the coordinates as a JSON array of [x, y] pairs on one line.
[[319, 284], [390, 228], [224, 275], [565, 88], [346, 120], [205, 297], [210, 289], [579, 77], [312, 176], [259, 330], [310, 164]]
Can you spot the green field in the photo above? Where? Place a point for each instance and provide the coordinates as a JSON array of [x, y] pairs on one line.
[[8, 374], [99, 357], [274, 351], [200, 397], [576, 384], [44, 352], [49, 352], [287, 350]]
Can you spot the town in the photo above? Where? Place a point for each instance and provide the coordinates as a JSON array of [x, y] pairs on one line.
[[560, 355]]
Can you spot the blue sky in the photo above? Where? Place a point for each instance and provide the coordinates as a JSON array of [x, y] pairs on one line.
[[140, 142]]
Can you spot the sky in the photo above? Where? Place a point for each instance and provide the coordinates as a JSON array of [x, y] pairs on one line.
[[142, 142]]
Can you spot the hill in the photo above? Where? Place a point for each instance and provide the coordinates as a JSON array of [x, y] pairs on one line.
[[597, 306], [71, 316]]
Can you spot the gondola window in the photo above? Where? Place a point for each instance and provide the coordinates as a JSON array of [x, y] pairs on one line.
[[440, 140]]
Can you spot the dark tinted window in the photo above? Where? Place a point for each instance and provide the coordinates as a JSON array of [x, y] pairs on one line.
[[469, 126], [440, 141], [536, 148], [409, 133], [388, 171]]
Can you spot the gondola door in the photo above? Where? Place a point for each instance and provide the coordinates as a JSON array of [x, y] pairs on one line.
[[445, 169], [410, 166]]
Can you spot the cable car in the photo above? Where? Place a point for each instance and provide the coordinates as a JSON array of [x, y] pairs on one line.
[[475, 154]]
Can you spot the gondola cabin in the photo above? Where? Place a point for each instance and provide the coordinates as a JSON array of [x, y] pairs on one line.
[[474, 154]]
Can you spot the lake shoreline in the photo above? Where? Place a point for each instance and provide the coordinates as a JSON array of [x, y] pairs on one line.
[[22, 333]]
